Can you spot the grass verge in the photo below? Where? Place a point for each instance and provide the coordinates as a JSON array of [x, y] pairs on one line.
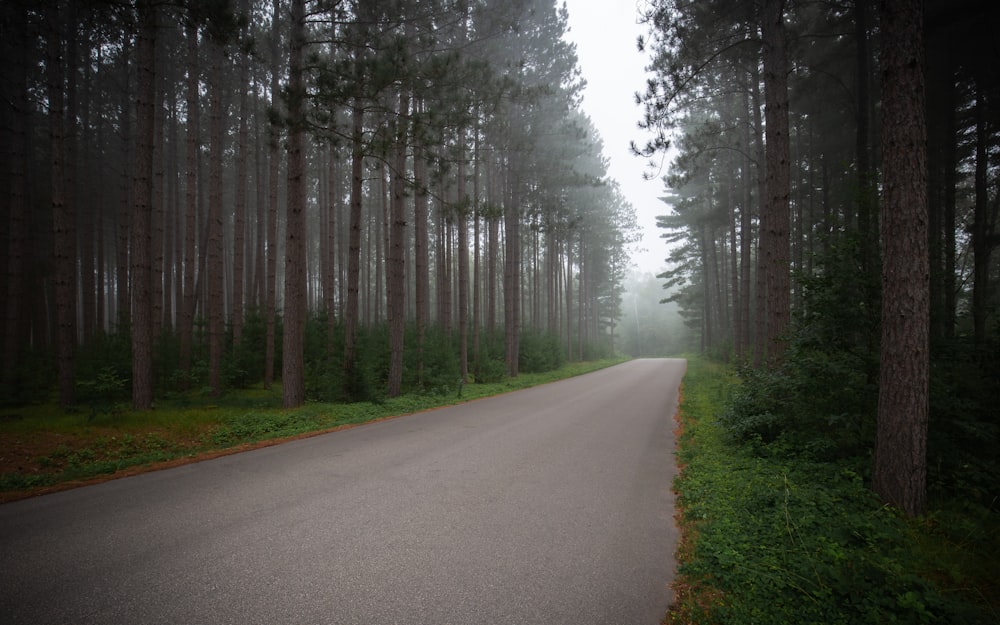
[[45, 448], [774, 540]]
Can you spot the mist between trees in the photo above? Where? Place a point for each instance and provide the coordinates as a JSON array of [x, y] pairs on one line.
[[199, 192], [833, 217]]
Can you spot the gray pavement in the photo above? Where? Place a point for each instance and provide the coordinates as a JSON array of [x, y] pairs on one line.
[[544, 506]]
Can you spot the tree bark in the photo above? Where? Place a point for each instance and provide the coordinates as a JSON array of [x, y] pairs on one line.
[[512, 278], [186, 322], [216, 282], [354, 243], [240, 203], [292, 357], [746, 239], [63, 217], [140, 260], [461, 219], [421, 256], [760, 301], [16, 44], [396, 274], [775, 216], [274, 163], [900, 470]]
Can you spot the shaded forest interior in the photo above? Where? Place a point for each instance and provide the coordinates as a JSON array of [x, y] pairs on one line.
[[356, 198], [833, 219]]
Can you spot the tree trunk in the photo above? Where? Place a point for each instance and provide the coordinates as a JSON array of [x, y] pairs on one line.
[[126, 196], [396, 279], [354, 242], [141, 262], [421, 256], [186, 323], [461, 218], [512, 278], [760, 301], [476, 278], [775, 216], [901, 439], [216, 282], [157, 225], [292, 357], [240, 203], [746, 241], [17, 194], [86, 207], [274, 162], [63, 218]]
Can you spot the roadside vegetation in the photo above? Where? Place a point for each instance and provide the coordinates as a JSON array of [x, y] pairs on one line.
[[44, 446], [778, 530]]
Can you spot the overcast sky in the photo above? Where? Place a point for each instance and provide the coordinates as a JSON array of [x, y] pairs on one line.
[[605, 32]]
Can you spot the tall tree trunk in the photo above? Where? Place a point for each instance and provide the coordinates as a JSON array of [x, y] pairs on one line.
[[867, 206], [421, 254], [240, 201], [172, 221], [775, 216], [63, 218], [476, 266], [746, 239], [396, 274], [461, 219], [492, 254], [126, 196], [292, 356], [141, 261], [260, 227], [215, 251], [328, 247], [86, 207], [354, 243], [186, 323], [760, 301], [157, 226], [15, 43], [901, 438], [569, 295], [274, 162], [512, 277]]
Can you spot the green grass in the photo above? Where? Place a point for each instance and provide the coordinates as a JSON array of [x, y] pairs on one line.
[[81, 444], [774, 540]]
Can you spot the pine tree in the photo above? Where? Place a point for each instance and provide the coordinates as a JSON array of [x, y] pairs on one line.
[[294, 320], [901, 439]]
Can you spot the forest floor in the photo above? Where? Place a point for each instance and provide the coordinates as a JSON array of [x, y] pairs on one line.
[[779, 539], [45, 448], [39, 462]]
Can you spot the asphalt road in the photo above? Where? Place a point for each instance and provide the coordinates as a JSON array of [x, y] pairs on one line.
[[544, 506]]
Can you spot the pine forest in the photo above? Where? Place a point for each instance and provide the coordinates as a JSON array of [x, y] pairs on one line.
[[352, 198], [833, 216]]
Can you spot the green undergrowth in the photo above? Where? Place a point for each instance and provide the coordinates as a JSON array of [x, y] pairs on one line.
[[71, 445], [785, 540]]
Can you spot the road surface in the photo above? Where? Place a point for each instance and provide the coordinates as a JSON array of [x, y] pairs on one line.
[[544, 506]]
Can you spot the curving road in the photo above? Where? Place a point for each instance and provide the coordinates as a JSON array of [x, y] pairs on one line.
[[544, 506]]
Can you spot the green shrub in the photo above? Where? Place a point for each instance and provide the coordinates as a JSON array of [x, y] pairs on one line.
[[539, 352]]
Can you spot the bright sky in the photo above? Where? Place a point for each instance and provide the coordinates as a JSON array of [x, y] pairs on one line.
[[605, 33]]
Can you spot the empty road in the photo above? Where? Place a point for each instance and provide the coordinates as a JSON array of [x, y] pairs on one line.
[[544, 506]]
